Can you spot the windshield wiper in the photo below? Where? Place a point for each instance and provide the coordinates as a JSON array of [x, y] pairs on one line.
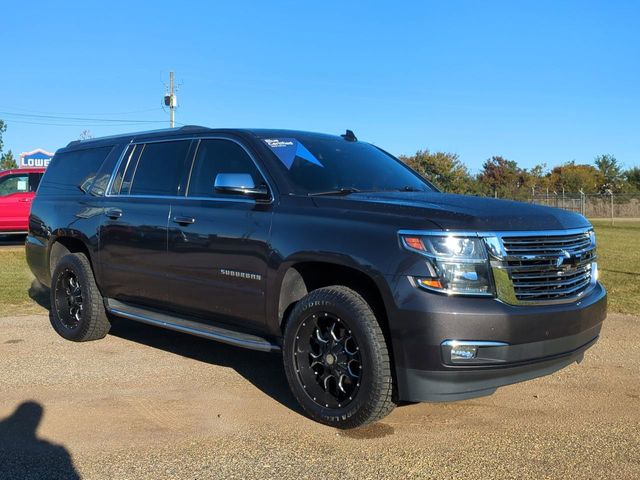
[[408, 188], [339, 191]]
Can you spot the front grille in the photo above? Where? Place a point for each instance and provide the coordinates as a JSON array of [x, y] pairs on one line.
[[550, 267]]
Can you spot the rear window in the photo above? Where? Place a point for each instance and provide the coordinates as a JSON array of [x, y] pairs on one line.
[[73, 172]]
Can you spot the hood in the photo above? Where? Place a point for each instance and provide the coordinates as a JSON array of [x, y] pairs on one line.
[[462, 212]]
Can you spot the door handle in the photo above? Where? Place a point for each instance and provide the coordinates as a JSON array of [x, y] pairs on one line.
[[113, 213], [25, 200], [184, 220]]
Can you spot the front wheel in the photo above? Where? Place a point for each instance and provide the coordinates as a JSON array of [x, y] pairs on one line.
[[336, 359]]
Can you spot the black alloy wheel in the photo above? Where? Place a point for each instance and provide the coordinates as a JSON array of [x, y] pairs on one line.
[[328, 361], [68, 299], [77, 307], [336, 359]]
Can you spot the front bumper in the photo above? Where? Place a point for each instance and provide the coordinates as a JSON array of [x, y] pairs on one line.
[[540, 340]]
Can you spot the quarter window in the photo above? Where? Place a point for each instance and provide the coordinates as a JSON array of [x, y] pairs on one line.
[[215, 157], [73, 171]]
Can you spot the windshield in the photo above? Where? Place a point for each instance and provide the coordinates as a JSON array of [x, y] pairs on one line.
[[316, 164]]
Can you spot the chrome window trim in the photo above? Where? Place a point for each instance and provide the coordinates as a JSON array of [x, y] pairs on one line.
[[497, 256], [229, 198], [115, 170]]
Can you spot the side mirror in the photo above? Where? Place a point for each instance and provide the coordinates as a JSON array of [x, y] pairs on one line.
[[239, 184]]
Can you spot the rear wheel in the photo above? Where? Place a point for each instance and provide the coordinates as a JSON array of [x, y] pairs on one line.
[[336, 359], [77, 308]]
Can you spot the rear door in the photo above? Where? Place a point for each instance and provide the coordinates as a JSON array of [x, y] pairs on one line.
[[133, 235], [218, 244], [15, 202]]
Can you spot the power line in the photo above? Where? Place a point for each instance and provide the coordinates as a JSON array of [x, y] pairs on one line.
[[81, 113], [124, 123], [79, 119]]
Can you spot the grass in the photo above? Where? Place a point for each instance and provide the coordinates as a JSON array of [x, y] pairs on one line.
[[618, 262], [17, 285]]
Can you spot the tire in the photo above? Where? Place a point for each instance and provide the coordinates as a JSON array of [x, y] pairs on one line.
[[77, 308], [329, 328]]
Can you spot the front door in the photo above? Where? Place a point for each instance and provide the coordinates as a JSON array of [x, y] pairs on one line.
[[218, 244], [15, 202]]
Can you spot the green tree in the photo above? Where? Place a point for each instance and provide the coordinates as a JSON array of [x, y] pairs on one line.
[[502, 178], [632, 176], [7, 161], [611, 172], [3, 128], [572, 178], [535, 181], [444, 170]]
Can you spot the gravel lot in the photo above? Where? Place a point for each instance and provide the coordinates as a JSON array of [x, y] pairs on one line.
[[148, 403]]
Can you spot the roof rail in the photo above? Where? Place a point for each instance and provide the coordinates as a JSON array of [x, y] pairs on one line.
[[185, 128]]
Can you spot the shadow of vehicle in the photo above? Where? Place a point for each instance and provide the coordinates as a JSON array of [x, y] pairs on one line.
[[264, 370], [40, 294], [23, 455]]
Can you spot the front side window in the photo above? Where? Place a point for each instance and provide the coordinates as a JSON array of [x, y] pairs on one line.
[[14, 184], [215, 157], [157, 171]]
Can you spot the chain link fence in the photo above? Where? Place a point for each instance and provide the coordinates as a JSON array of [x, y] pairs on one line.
[[616, 205]]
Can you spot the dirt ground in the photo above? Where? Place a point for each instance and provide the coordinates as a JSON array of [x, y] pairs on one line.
[[149, 403]]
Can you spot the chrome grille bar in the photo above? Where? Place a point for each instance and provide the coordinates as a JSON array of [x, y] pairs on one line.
[[546, 268]]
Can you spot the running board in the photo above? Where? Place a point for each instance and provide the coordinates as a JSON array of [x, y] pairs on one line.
[[191, 327]]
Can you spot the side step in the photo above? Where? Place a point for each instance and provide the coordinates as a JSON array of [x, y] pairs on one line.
[[191, 327]]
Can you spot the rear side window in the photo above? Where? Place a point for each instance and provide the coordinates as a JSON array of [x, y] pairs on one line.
[[153, 169], [73, 172], [219, 156], [34, 181]]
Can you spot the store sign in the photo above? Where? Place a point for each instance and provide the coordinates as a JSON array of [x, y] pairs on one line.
[[36, 158]]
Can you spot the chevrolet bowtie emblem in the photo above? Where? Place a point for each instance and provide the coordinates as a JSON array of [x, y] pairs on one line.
[[562, 257]]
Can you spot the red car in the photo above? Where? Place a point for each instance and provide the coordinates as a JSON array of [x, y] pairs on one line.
[[17, 189]]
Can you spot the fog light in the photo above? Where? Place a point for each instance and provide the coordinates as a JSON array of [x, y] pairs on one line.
[[473, 352], [463, 352]]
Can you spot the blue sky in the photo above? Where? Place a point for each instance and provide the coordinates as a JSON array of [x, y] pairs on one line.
[[534, 81]]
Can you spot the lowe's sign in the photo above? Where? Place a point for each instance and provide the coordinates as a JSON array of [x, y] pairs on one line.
[[35, 158]]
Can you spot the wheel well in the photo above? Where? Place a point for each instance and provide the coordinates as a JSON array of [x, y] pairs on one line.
[[63, 246], [303, 278]]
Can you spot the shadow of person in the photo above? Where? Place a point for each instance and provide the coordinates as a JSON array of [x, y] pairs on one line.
[[23, 455], [264, 370]]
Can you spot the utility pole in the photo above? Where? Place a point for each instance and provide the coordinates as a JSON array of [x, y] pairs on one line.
[[171, 101]]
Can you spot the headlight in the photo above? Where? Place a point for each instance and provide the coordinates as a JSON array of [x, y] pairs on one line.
[[459, 264]]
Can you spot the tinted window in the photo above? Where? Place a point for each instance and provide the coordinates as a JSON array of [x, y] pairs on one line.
[[103, 176], [126, 168], [219, 156], [321, 163], [34, 181], [73, 171], [159, 169], [18, 183]]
